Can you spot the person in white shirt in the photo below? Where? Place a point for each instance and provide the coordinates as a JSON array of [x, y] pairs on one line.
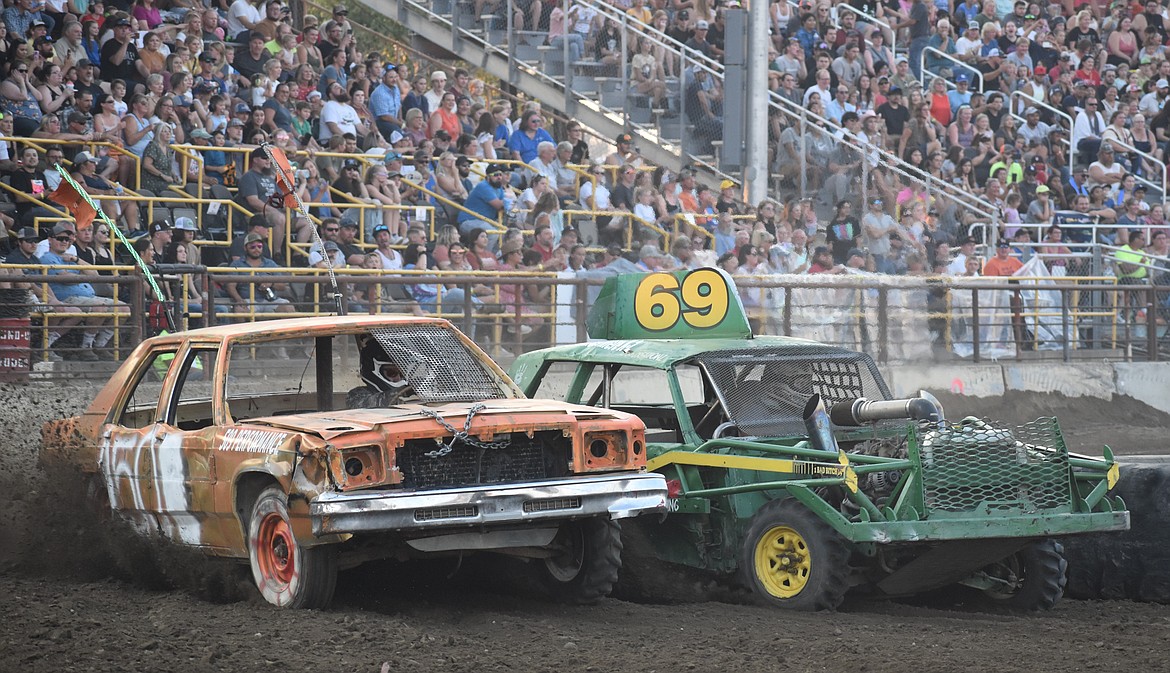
[[821, 87], [338, 117], [967, 46], [242, 16], [1087, 129], [1153, 102], [434, 95]]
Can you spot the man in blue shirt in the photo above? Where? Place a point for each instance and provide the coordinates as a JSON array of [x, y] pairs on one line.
[[99, 311], [386, 102], [487, 199], [961, 94]]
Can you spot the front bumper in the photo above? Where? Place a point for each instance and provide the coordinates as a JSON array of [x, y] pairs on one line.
[[1031, 526], [617, 496]]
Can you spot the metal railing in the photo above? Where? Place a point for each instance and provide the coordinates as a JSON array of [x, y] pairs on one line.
[[923, 73], [1020, 102], [895, 319]]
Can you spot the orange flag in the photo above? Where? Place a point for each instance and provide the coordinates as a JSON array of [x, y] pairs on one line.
[[285, 184], [69, 198]]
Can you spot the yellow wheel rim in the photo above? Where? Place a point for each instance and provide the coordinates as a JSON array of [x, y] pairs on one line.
[[783, 561]]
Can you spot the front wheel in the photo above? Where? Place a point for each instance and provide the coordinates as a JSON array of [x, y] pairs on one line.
[[287, 574], [1031, 579], [587, 558], [793, 559]]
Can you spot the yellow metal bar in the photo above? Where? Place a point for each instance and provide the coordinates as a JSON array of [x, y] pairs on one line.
[[759, 464]]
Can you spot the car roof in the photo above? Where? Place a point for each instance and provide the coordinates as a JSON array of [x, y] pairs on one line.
[[290, 327], [662, 353]]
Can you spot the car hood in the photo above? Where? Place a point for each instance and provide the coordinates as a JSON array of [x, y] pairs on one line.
[[517, 412]]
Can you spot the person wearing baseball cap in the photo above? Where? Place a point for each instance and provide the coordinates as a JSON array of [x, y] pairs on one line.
[[486, 200]]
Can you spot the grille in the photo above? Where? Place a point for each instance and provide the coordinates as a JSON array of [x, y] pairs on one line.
[[440, 513], [973, 464], [765, 390], [524, 459], [552, 505], [437, 364]]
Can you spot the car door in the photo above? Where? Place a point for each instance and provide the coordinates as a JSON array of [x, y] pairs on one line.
[[183, 477], [127, 454]]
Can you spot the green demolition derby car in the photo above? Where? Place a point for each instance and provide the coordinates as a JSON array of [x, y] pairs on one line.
[[788, 462]]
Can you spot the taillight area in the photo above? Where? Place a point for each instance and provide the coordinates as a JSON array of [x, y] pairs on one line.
[[361, 466], [673, 489]]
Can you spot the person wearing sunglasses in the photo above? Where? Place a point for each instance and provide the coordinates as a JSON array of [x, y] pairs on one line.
[[21, 99], [96, 309]]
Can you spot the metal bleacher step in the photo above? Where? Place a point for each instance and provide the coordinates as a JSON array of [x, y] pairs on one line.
[[533, 38], [584, 84]]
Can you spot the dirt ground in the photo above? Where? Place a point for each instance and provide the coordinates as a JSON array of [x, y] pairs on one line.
[[65, 610]]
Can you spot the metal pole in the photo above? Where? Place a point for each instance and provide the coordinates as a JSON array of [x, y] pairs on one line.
[[625, 72], [975, 325], [803, 153], [1064, 326], [580, 297], [566, 66], [512, 70], [883, 325], [682, 106], [755, 172], [1151, 324]]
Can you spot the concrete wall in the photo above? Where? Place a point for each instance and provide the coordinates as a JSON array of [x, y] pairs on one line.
[[1148, 382]]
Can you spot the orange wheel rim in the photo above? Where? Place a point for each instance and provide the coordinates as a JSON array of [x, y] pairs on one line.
[[275, 547]]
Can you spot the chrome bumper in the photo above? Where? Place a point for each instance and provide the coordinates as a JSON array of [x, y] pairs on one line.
[[616, 496]]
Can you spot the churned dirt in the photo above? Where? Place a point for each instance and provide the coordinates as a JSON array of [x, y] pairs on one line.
[[70, 607]]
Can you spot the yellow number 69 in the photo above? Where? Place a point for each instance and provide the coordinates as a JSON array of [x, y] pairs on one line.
[[701, 300]]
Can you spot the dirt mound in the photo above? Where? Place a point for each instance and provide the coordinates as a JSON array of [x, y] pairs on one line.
[[1127, 425]]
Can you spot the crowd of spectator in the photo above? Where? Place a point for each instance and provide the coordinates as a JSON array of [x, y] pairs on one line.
[[390, 137]]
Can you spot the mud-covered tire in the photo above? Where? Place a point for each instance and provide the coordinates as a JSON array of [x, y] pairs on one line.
[[793, 560], [287, 574], [589, 556], [1039, 572]]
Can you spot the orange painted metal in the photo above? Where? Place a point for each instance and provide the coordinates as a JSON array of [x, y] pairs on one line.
[[197, 486]]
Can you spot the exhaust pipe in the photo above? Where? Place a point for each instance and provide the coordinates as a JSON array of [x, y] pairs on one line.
[[816, 422], [861, 411]]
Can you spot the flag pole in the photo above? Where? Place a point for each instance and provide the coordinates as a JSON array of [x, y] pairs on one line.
[[101, 214], [290, 189]]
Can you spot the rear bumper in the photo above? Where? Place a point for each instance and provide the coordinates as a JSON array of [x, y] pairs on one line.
[[616, 496]]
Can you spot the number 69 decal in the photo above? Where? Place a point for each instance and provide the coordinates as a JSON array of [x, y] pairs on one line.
[[701, 300]]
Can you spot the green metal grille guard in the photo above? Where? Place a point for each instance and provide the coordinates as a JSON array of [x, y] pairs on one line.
[[925, 478]]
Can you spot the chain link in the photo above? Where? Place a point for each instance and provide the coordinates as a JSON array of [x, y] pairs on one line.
[[461, 435]]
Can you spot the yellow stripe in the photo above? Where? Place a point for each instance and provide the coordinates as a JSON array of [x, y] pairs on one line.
[[713, 460]]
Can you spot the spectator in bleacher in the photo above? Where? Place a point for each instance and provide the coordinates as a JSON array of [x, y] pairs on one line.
[[434, 95], [485, 200], [386, 102], [82, 295], [525, 140], [445, 117], [338, 117]]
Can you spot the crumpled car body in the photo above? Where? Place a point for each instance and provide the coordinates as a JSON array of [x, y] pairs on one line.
[[200, 434]]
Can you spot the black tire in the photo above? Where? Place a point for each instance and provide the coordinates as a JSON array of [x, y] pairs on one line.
[[793, 560], [588, 559], [287, 574], [1038, 574]]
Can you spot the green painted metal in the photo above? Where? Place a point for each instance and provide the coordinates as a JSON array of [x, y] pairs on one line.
[[965, 480], [632, 306]]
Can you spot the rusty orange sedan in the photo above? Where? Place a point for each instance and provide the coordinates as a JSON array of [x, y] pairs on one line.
[[305, 444]]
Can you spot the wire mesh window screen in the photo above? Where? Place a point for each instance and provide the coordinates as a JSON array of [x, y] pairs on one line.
[[765, 390], [437, 364], [975, 464]]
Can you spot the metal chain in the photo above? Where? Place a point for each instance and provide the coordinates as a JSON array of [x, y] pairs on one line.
[[461, 435]]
